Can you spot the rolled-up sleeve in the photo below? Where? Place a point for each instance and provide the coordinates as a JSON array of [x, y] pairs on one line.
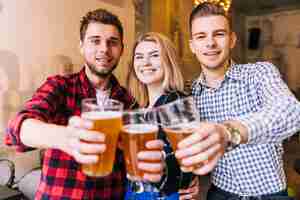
[[41, 106], [12, 136], [279, 116]]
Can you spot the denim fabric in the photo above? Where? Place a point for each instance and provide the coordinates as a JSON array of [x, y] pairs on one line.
[[130, 195]]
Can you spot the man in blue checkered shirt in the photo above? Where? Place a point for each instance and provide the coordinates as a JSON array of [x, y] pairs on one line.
[[246, 112]]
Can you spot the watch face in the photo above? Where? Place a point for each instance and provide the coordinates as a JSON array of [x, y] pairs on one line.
[[236, 137]]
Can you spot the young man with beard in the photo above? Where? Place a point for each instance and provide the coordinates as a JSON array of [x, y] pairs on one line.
[[51, 119], [246, 112]]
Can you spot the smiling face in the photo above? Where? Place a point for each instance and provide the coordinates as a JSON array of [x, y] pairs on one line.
[[212, 41], [147, 63], [101, 48]]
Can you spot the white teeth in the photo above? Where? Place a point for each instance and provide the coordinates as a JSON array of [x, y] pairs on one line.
[[211, 53], [148, 70], [101, 60]]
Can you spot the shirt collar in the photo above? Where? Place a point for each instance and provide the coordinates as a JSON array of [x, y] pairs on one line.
[[90, 91], [87, 87], [117, 92], [233, 72]]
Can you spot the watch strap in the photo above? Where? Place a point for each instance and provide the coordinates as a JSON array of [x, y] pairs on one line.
[[234, 136]]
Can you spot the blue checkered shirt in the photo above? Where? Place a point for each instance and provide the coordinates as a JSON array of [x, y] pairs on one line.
[[255, 95]]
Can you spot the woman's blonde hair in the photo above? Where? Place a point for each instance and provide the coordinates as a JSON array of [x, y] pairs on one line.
[[172, 80]]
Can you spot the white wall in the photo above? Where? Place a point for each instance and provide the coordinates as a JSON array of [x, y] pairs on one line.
[[32, 31], [35, 30], [285, 47]]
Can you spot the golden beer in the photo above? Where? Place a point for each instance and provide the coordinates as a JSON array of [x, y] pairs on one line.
[[175, 135], [134, 139], [109, 123]]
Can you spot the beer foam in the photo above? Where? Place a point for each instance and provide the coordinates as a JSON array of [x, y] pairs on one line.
[[180, 126], [140, 128], [94, 115]]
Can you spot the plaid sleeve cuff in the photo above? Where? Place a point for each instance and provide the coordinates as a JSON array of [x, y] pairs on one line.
[[12, 136]]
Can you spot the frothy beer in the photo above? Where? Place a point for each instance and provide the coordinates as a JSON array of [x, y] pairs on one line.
[[177, 133], [134, 138], [109, 123]]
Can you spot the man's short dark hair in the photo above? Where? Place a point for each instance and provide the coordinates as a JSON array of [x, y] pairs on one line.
[[100, 16], [208, 9]]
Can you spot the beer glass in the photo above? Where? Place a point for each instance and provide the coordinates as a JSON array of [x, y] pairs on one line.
[[138, 129], [107, 119], [178, 119]]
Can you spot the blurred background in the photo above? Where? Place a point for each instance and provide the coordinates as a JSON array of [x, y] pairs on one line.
[[41, 38]]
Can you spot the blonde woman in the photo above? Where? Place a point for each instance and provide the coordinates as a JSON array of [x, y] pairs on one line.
[[154, 78]]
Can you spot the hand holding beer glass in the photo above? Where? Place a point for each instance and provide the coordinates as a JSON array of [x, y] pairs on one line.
[[106, 117], [179, 119], [140, 146]]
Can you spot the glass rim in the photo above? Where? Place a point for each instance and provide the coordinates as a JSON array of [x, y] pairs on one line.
[[141, 114], [107, 104], [106, 100], [138, 110], [190, 116], [179, 100]]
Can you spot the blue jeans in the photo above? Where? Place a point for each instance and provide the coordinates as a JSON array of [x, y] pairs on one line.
[[215, 193], [149, 195]]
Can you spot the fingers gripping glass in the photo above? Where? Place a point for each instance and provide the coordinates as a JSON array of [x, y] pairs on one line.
[[106, 117], [138, 129], [178, 119]]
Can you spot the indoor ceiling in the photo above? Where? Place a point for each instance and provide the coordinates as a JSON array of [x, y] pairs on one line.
[[261, 6]]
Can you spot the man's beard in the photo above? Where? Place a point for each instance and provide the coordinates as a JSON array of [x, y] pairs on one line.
[[102, 73]]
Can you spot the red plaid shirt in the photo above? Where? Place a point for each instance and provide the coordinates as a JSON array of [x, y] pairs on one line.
[[56, 101]]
